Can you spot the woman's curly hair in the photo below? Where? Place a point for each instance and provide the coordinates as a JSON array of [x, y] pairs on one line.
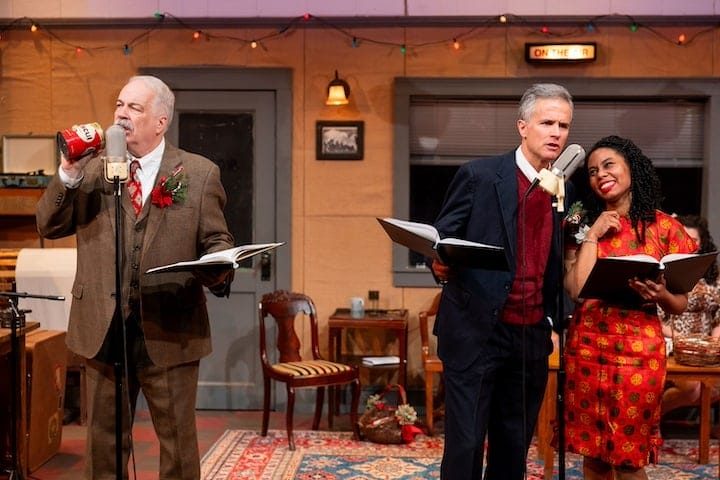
[[645, 189], [706, 242]]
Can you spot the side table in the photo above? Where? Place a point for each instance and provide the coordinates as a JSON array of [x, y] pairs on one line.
[[395, 321]]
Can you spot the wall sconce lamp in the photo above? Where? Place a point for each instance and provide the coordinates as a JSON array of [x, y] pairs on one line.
[[338, 91]]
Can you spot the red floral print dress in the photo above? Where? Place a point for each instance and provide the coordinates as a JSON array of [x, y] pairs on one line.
[[615, 362]]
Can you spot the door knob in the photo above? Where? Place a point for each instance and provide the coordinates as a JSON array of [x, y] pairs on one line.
[[265, 266]]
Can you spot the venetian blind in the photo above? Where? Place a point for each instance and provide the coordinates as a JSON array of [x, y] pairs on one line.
[[451, 132]]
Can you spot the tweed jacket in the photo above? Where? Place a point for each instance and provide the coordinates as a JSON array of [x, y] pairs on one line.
[[173, 309]]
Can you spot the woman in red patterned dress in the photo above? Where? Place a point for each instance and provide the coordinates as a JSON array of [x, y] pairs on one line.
[[615, 355]]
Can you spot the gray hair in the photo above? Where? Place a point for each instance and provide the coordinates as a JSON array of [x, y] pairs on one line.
[[164, 98], [542, 90]]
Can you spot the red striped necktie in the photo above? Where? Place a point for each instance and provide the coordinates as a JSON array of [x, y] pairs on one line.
[[134, 187]]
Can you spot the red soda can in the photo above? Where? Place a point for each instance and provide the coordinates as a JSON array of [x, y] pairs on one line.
[[81, 140]]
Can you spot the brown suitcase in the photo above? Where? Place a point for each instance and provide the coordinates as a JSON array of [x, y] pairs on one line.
[[46, 370]]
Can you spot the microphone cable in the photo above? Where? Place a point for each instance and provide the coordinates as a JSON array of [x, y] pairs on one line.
[[522, 218], [523, 269]]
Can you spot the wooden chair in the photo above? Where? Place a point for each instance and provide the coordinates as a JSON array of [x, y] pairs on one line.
[[431, 363], [291, 369]]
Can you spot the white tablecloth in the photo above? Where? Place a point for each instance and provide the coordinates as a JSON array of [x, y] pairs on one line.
[[46, 271]]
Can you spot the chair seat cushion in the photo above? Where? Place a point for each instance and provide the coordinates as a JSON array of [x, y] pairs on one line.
[[310, 368]]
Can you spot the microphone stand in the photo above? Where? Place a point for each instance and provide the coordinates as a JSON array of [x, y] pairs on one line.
[[560, 387], [560, 394], [118, 327], [553, 182], [17, 320], [555, 185]]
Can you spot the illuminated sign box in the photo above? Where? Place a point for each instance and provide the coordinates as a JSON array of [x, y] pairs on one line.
[[560, 52]]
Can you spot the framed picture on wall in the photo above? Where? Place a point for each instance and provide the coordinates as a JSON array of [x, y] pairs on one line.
[[339, 140]]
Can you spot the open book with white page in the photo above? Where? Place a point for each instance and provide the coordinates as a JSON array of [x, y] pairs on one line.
[[229, 258], [609, 277], [425, 239]]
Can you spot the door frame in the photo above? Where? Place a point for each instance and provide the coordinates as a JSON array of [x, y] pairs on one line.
[[278, 81]]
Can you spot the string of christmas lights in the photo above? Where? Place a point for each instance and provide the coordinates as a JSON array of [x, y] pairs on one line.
[[554, 30]]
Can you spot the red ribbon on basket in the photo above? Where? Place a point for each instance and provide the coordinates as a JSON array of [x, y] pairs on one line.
[[403, 416], [408, 432]]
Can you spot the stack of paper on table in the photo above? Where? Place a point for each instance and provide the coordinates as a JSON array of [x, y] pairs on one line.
[[378, 361]]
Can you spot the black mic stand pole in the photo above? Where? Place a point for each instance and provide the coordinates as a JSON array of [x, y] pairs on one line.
[[560, 388], [17, 320], [118, 327], [559, 200]]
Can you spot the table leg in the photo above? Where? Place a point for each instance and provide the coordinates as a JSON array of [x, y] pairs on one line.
[[402, 350], [704, 450], [548, 411], [334, 350]]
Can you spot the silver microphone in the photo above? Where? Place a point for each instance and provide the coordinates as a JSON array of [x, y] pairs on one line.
[[564, 166], [116, 164]]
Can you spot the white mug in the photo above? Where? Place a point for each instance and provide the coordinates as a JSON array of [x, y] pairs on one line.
[[357, 307]]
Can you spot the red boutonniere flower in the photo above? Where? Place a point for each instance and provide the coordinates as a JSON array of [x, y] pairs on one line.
[[171, 189]]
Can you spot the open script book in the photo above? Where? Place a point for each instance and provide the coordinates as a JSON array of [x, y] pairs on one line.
[[424, 239], [230, 258], [609, 277]]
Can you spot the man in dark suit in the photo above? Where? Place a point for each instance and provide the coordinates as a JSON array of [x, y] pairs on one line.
[[164, 316], [493, 327]]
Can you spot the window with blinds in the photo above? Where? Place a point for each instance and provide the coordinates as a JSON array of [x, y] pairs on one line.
[[451, 132]]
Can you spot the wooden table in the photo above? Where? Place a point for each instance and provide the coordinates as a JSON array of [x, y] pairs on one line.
[[395, 321], [20, 420], [707, 376]]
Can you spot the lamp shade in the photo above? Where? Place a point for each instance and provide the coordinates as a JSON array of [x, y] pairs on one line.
[[338, 92]]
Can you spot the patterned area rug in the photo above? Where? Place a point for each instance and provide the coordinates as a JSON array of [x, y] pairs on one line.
[[242, 454]]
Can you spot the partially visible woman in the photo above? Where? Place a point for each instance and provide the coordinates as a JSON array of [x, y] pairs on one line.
[[702, 315], [615, 355]]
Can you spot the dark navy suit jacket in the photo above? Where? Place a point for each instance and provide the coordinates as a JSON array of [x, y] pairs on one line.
[[482, 205]]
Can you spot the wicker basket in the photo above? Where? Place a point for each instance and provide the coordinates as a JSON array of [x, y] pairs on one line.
[[379, 425], [696, 350]]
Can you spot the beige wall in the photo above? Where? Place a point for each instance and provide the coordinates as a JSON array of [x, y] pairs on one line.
[[338, 249]]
